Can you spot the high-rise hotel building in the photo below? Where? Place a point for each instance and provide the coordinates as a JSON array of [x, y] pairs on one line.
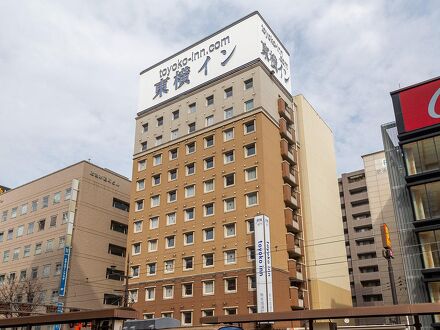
[[217, 150]]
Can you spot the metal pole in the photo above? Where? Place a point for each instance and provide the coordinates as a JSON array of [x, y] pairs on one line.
[[126, 282], [417, 323], [392, 283]]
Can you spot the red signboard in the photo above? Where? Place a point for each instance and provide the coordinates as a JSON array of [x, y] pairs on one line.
[[420, 105]]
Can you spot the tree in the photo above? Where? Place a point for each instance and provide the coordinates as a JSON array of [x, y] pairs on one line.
[[20, 297]]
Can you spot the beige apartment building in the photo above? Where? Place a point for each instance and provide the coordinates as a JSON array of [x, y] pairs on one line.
[[65, 235], [366, 204], [207, 164]]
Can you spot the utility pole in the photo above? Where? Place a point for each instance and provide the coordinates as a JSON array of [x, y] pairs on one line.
[[388, 254], [126, 282]]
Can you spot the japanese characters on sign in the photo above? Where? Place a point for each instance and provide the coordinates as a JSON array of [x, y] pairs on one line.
[[104, 178], [228, 49]]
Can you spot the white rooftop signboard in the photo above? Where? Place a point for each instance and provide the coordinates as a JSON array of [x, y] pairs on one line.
[[242, 42]]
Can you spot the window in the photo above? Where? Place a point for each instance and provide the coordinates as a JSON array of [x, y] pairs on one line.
[[175, 115], [189, 214], [426, 200], [53, 221], [14, 212], [34, 206], [229, 204], [169, 266], [188, 263], [41, 224], [190, 148], [250, 226], [38, 248], [207, 312], [20, 230], [230, 310], [187, 318], [365, 241], [134, 271], [24, 208], [208, 234], [172, 174], [16, 254], [61, 242], [209, 120], [45, 202], [250, 174], [187, 290], [57, 197], [228, 92], [112, 299], [151, 268], [167, 314], [188, 238], [228, 113], [68, 194], [150, 293], [190, 169], [208, 260], [58, 268], [119, 227], [155, 201], [191, 127], [170, 242], [172, 196], [174, 134], [173, 154], [6, 256], [30, 229], [157, 159], [49, 245], [22, 275], [251, 199], [5, 215], [229, 179], [430, 245], [208, 185], [139, 205], [154, 222], [369, 269], [230, 285], [190, 191], [145, 128], [250, 150], [372, 297], [209, 141], [230, 257], [136, 249], [228, 157], [133, 296], [192, 108], [249, 127], [159, 121], [171, 218], [116, 250], [121, 205], [248, 84], [250, 252], [10, 234], [209, 163], [155, 179], [142, 165], [34, 273], [208, 209], [144, 146], [152, 245], [228, 134], [229, 230], [422, 156], [210, 100], [46, 271], [249, 105], [208, 287]]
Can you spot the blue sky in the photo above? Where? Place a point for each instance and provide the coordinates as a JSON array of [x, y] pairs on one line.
[[69, 70]]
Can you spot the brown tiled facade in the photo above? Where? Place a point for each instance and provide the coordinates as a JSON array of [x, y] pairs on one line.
[[194, 199]]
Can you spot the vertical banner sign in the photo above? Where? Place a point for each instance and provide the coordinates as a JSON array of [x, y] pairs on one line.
[[268, 265], [64, 270], [263, 264]]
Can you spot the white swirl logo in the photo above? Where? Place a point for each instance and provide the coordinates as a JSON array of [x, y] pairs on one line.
[[431, 106]]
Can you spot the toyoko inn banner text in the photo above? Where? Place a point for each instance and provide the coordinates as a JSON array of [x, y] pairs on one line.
[[228, 49]]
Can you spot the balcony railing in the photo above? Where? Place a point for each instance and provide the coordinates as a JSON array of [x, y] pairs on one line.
[[290, 197], [287, 153], [289, 175], [285, 131], [284, 110]]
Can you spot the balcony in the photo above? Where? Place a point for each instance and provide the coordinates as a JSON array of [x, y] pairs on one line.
[[293, 246], [360, 210], [290, 197], [287, 153], [284, 110], [285, 131], [358, 197], [295, 271], [289, 175], [292, 221]]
